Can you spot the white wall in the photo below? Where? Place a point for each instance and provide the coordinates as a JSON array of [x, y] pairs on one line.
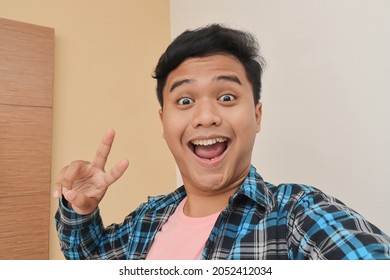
[[326, 92]]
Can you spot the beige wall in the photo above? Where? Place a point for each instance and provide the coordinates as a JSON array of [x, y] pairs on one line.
[[326, 92], [104, 56]]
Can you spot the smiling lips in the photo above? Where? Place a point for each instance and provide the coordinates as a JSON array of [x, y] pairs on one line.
[[209, 148]]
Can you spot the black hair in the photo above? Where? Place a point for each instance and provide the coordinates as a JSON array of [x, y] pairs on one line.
[[210, 40]]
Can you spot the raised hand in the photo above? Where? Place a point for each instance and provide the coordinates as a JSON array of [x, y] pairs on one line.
[[84, 183]]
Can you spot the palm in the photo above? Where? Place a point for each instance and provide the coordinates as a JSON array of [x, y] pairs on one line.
[[91, 183]]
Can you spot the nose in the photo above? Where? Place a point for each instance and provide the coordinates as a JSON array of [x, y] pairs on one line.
[[206, 114]]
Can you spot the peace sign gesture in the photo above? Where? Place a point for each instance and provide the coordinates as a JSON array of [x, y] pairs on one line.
[[84, 183]]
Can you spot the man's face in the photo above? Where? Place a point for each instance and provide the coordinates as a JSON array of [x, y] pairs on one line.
[[210, 122]]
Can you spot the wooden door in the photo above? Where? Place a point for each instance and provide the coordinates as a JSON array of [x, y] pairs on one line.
[[26, 87]]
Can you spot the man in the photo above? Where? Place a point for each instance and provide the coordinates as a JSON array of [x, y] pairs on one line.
[[208, 86]]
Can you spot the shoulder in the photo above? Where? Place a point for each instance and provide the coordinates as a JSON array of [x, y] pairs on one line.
[[299, 196]]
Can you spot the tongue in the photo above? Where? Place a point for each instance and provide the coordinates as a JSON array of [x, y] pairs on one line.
[[211, 151]]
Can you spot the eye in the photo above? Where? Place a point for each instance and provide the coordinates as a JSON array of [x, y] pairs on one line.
[[185, 101], [227, 98]]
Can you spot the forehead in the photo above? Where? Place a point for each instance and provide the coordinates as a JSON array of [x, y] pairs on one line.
[[222, 62], [207, 67]]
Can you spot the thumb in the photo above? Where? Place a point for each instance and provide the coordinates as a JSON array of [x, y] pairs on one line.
[[80, 203]]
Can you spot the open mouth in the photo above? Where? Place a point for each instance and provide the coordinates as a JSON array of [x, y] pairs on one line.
[[209, 149]]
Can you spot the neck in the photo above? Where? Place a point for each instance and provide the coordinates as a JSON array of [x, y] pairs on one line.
[[206, 197], [205, 205]]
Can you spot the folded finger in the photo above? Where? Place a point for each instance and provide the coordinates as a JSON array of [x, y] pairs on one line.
[[57, 192], [73, 171]]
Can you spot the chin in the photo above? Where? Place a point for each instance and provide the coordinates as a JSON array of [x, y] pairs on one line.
[[207, 182]]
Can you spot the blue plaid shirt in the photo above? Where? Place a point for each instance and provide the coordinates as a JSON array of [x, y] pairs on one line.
[[261, 221]]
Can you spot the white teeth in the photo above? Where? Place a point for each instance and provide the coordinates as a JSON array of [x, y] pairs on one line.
[[208, 142]]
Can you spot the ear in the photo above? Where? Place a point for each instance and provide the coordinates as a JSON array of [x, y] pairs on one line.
[[160, 112], [258, 114]]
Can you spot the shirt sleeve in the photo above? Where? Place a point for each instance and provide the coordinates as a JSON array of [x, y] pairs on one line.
[[325, 228], [84, 236]]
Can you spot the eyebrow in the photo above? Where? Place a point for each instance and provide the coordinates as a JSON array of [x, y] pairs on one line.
[[230, 78], [180, 82]]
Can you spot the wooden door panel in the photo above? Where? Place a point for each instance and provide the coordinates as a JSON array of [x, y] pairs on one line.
[[25, 150], [26, 86], [26, 65], [24, 227]]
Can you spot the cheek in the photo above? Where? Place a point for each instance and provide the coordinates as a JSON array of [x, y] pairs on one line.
[[173, 128], [243, 121], [246, 129]]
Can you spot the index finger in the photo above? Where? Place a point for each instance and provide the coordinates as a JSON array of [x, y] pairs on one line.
[[103, 150]]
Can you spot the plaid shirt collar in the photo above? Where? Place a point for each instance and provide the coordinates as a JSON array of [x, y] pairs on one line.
[[253, 188]]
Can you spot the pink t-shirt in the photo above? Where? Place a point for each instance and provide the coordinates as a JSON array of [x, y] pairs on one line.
[[182, 237]]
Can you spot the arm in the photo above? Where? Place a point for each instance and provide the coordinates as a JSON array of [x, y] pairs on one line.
[[81, 186], [325, 228]]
